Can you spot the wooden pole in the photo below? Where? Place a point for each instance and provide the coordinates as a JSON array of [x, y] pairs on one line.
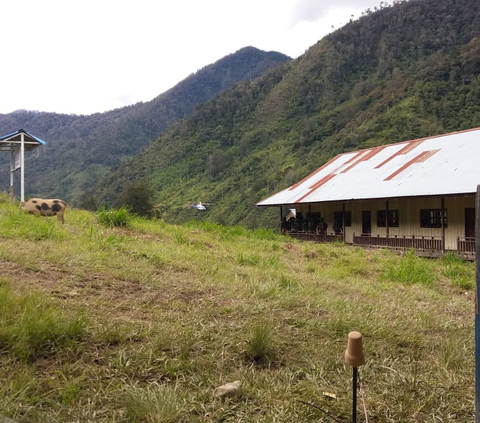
[[281, 220], [387, 212], [343, 221], [477, 300], [443, 224]]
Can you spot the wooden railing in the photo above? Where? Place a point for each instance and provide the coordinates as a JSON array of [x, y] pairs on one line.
[[466, 245], [316, 237], [401, 242]]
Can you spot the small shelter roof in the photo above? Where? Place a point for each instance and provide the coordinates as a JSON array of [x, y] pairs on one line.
[[439, 165], [8, 141]]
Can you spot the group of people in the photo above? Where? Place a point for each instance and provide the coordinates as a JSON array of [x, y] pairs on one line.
[[312, 223]]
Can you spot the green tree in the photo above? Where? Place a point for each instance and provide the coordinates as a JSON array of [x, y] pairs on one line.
[[138, 198]]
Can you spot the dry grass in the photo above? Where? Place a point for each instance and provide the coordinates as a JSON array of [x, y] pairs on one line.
[[171, 312]]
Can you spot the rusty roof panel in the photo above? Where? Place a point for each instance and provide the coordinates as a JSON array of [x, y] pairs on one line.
[[446, 164]]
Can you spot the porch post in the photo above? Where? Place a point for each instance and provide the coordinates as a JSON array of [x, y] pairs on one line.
[[386, 218], [343, 221], [281, 219], [477, 300], [442, 214]]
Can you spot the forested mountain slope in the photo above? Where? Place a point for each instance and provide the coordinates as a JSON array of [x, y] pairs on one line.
[[406, 71], [81, 149]]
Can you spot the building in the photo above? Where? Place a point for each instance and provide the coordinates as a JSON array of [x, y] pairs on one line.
[[17, 143], [418, 194]]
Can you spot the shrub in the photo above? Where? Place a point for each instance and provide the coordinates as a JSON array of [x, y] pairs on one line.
[[114, 217], [260, 347], [138, 198]]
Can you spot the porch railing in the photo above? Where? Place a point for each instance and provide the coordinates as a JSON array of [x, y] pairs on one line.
[[316, 237], [466, 245], [402, 242]]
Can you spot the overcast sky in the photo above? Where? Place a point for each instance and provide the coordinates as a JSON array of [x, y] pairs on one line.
[[88, 56]]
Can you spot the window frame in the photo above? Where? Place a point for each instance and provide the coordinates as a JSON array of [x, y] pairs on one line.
[[431, 218], [393, 218]]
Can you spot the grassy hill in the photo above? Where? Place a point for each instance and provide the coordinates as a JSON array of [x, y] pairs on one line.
[[406, 71], [140, 323]]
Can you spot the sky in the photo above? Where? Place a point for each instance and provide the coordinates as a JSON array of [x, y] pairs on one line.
[[88, 56]]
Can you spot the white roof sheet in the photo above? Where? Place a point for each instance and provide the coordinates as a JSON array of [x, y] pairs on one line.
[[440, 165]]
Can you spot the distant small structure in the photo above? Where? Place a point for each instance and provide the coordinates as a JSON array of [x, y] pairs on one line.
[[17, 143], [198, 206]]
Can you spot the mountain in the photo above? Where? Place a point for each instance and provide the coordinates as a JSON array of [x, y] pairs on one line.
[[81, 149], [405, 71]]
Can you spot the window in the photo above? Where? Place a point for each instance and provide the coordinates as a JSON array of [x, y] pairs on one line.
[[431, 218], [337, 217], [393, 220]]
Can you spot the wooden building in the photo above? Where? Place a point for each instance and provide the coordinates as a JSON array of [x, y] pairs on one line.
[[418, 194]]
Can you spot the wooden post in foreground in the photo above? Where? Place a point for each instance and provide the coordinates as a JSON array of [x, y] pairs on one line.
[[355, 357], [477, 300]]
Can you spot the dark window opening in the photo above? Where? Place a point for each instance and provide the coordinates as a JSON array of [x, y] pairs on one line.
[[341, 220], [337, 216], [366, 222], [431, 218], [393, 219]]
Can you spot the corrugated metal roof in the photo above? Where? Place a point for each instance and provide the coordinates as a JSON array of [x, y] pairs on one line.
[[28, 137], [440, 165]]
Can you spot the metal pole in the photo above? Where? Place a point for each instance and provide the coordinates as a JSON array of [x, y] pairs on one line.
[[12, 168], [22, 168], [354, 396], [477, 300]]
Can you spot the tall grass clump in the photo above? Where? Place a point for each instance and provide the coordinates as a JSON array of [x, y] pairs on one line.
[[410, 269], [4, 198], [156, 403], [115, 217], [260, 345], [31, 327], [459, 271]]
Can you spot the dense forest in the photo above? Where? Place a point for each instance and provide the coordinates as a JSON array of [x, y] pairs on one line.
[[81, 149], [405, 71]]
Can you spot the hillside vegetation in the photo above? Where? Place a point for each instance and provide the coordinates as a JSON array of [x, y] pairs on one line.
[[140, 322], [81, 149], [405, 71]]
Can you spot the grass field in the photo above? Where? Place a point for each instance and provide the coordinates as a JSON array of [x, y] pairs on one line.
[[140, 323]]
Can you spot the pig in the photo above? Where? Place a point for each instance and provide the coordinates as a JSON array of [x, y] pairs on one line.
[[45, 207]]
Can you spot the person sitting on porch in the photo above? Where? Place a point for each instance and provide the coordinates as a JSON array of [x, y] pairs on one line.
[[322, 226], [337, 226]]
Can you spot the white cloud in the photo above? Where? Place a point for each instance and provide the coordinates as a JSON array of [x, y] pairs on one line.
[[313, 10]]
